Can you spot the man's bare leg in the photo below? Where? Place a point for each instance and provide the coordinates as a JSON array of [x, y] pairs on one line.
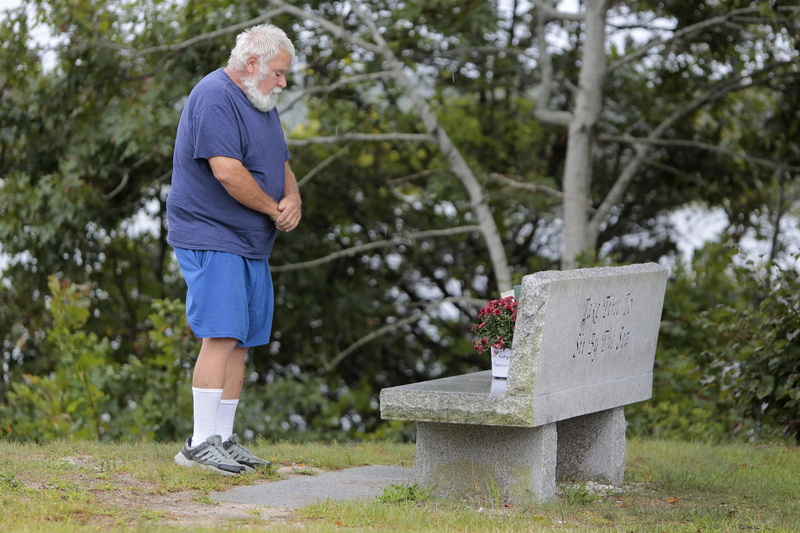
[[232, 390], [208, 385], [213, 362]]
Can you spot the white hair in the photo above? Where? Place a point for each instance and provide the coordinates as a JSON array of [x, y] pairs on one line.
[[264, 41]]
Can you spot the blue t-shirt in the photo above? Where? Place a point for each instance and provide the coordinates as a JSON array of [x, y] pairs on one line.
[[218, 120]]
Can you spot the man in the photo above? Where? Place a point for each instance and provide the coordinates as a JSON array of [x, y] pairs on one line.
[[232, 190]]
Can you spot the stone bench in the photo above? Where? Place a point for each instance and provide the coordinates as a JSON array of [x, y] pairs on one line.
[[584, 346]]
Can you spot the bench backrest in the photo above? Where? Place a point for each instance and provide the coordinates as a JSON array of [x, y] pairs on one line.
[[585, 340]]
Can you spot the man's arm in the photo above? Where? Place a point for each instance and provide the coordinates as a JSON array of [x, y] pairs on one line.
[[291, 206], [242, 186]]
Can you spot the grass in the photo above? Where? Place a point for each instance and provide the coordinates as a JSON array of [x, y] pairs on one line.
[[670, 486], [405, 492]]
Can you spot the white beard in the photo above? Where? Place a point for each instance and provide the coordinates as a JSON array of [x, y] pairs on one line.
[[262, 102]]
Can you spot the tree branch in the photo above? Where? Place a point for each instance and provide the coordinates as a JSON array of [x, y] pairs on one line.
[[543, 92], [176, 47], [417, 175], [513, 181], [373, 137], [552, 13], [118, 189], [339, 84], [333, 29], [719, 90], [701, 146], [678, 35], [400, 323], [394, 241], [314, 171]]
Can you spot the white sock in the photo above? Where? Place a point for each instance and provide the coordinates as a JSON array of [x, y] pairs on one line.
[[225, 416], [206, 406]]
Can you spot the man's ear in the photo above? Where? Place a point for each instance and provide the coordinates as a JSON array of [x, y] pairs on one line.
[[253, 64]]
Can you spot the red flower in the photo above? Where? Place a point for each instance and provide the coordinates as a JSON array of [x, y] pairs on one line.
[[497, 324]]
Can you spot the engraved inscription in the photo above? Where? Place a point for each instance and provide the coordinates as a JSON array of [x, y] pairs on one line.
[[603, 328], [608, 307]]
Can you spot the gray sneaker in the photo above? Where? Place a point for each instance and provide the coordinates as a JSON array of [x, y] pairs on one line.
[[242, 455], [210, 455]]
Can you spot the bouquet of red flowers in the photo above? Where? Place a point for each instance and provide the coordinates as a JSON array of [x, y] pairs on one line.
[[496, 326]]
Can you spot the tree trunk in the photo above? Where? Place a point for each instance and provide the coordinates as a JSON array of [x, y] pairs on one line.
[[578, 165]]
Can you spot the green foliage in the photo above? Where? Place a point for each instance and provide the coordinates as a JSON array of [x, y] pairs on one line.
[[728, 362], [157, 382], [10, 482], [71, 400], [82, 151], [579, 495], [86, 131], [685, 403], [757, 358], [89, 395], [405, 492]]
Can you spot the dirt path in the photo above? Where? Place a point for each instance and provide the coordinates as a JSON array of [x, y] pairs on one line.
[[183, 508], [145, 500]]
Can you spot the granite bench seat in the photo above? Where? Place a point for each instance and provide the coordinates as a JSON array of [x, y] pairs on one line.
[[474, 398], [584, 347]]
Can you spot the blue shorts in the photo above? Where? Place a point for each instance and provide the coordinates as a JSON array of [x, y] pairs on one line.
[[227, 295]]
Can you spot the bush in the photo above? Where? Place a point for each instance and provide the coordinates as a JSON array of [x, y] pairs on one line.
[[90, 396], [757, 359], [686, 403], [728, 360]]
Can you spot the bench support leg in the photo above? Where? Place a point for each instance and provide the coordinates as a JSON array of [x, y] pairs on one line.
[[592, 448], [503, 464]]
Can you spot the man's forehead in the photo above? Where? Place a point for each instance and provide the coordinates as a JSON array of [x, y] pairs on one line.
[[282, 62]]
